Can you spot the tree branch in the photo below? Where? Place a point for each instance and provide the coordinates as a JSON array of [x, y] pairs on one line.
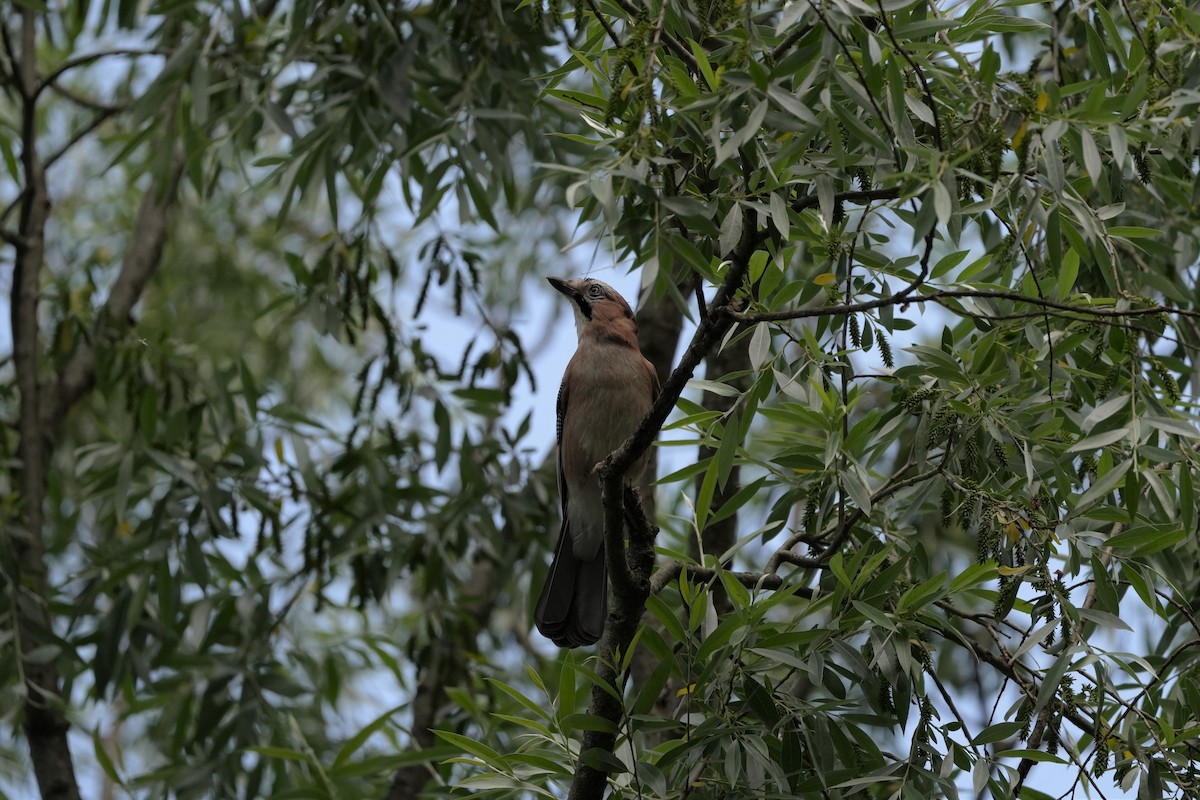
[[623, 619], [439, 665], [949, 294], [612, 34], [841, 531], [88, 58], [862, 79], [78, 136], [670, 572], [50, 160], [45, 721], [630, 575], [142, 258], [859, 196], [789, 41], [674, 45], [87, 102]]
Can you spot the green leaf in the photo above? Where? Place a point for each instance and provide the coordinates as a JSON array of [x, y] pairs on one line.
[[779, 216], [1103, 618], [947, 263], [1069, 273], [704, 496], [738, 594], [1177, 427], [997, 733], [1104, 411], [1133, 232], [475, 747], [723, 389], [1032, 755], [701, 56], [1108, 482], [760, 345], [1053, 677], [356, 741], [921, 595], [874, 615], [1187, 497], [588, 722], [529, 705], [102, 758], [1091, 156], [1099, 440], [44, 654], [1146, 539], [603, 761], [733, 504], [727, 450], [973, 576], [667, 618], [731, 231]]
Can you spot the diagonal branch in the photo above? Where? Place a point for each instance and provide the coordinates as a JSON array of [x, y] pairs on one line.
[[629, 569], [142, 258], [842, 530], [669, 572], [89, 58], [951, 294], [673, 44]]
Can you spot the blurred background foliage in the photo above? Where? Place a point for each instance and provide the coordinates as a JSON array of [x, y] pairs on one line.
[[293, 516]]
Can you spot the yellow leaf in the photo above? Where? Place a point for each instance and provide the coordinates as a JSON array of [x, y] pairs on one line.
[[1043, 100], [691, 687], [1003, 570], [1014, 526], [279, 450], [824, 279], [1019, 136]]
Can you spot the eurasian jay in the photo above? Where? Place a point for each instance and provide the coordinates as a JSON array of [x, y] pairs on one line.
[[607, 389]]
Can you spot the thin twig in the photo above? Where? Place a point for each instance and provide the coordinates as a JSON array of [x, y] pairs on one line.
[[862, 80], [87, 102], [944, 294], [674, 45], [612, 34], [87, 58]]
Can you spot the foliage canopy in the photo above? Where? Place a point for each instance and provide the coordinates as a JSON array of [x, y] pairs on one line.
[[269, 456]]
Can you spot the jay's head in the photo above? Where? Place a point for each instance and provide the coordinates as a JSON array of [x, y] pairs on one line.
[[596, 304]]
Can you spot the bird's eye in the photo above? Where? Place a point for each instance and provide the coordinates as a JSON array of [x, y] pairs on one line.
[[596, 290]]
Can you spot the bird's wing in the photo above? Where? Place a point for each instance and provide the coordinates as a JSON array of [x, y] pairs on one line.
[[560, 409], [655, 386]]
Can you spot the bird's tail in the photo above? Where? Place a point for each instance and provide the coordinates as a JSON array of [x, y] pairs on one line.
[[574, 601]]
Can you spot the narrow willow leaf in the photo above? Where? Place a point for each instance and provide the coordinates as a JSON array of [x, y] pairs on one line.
[[760, 345], [1091, 156]]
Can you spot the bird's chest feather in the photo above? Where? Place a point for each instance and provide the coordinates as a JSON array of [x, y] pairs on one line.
[[611, 397]]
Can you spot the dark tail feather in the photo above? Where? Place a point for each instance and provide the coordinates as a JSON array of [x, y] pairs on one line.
[[574, 601]]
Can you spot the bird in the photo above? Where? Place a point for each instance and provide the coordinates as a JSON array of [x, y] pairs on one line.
[[606, 390]]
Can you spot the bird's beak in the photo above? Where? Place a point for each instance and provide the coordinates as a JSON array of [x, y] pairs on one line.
[[565, 287]]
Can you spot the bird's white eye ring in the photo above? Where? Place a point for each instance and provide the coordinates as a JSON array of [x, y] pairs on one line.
[[596, 290]]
